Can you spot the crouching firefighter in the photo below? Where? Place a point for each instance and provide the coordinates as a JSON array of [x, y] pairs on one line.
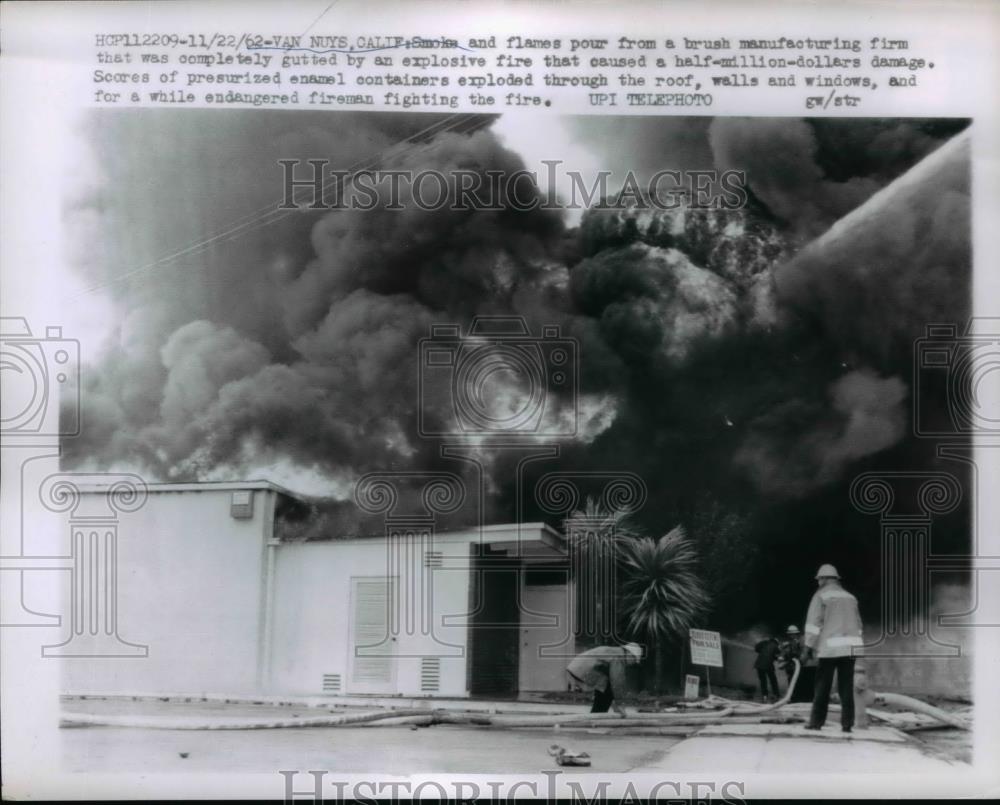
[[791, 651], [602, 670]]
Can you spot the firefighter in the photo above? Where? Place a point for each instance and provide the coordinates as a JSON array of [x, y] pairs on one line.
[[791, 650], [834, 637], [602, 670], [767, 653]]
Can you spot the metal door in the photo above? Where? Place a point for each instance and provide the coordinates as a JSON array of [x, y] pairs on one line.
[[539, 672]]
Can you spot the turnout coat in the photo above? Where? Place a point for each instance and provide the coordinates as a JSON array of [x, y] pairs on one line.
[[600, 667], [833, 624]]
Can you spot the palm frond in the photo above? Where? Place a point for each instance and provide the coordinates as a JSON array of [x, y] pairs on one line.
[[662, 591], [596, 528], [616, 520]]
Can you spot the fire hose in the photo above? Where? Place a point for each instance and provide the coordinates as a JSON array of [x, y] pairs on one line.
[[418, 716], [896, 699], [174, 723], [722, 709], [918, 706], [752, 708]]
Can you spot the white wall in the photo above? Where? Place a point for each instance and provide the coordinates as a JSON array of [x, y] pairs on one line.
[[312, 619], [189, 586]]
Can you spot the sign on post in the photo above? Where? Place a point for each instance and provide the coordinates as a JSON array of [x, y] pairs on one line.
[[706, 648], [691, 686]]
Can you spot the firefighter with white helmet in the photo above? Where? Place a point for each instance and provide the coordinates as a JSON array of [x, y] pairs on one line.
[[833, 634], [602, 670], [791, 650]]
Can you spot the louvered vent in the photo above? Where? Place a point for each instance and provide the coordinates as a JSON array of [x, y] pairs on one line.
[[433, 559], [331, 683], [430, 674], [373, 651]]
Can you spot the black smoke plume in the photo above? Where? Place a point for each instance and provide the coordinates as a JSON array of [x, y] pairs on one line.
[[738, 360]]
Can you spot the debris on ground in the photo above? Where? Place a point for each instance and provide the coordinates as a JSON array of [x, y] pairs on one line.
[[566, 757]]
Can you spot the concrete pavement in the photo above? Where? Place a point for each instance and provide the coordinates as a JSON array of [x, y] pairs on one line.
[[791, 749], [347, 751]]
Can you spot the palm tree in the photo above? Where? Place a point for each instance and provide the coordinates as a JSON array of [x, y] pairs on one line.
[[595, 536], [662, 592]]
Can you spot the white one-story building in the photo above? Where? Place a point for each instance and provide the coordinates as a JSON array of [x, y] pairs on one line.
[[194, 589]]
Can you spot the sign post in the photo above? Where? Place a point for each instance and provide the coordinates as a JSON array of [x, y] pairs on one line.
[[706, 649]]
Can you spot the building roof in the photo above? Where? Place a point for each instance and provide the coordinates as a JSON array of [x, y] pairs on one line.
[[499, 533], [199, 486], [539, 540], [497, 530]]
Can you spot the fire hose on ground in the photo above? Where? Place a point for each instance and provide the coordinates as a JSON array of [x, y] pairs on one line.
[[917, 706], [752, 708], [892, 699], [722, 711], [417, 716], [174, 723]]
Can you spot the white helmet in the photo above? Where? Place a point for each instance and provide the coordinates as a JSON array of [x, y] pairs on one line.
[[827, 572], [634, 649]]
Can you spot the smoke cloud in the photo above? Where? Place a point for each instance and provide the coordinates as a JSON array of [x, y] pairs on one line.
[[779, 157], [895, 264], [298, 335], [254, 342], [862, 415]]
